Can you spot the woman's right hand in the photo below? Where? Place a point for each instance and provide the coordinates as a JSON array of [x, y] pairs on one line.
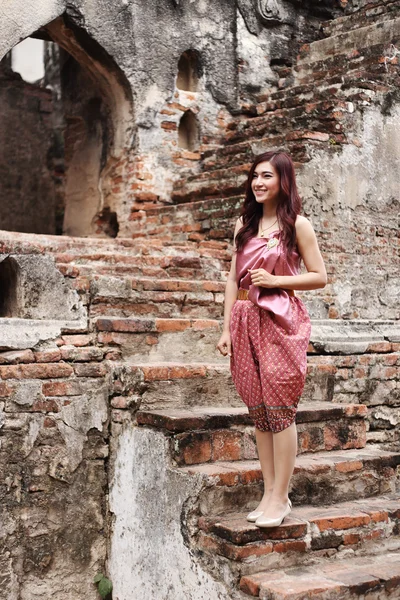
[[225, 345]]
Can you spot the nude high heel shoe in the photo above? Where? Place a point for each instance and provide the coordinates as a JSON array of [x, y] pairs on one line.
[[253, 516], [260, 522]]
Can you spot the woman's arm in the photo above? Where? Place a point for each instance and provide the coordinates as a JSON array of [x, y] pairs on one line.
[[309, 251], [231, 290]]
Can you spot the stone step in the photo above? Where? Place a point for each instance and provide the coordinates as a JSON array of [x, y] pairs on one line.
[[305, 115], [364, 16], [223, 434], [319, 478], [350, 578], [360, 38], [177, 384], [153, 341], [308, 532], [31, 243], [217, 272], [124, 297]]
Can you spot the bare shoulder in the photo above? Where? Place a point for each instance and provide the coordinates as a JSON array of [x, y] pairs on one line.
[[304, 229], [302, 224], [239, 225]]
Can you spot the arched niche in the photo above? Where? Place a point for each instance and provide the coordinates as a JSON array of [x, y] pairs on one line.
[[97, 131], [189, 71], [189, 132], [9, 288]]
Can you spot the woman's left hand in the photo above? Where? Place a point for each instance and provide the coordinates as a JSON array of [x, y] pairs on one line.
[[262, 278]]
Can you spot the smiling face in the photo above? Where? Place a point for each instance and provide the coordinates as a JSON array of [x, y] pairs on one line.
[[266, 183]]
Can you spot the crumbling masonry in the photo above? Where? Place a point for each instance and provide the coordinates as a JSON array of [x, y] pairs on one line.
[[124, 448]]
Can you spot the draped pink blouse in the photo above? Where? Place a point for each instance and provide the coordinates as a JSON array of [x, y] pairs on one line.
[[260, 253]]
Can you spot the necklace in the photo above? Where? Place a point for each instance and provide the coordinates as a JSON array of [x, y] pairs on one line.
[[262, 230]]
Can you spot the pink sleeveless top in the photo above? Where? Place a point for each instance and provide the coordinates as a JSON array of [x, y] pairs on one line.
[[266, 253]]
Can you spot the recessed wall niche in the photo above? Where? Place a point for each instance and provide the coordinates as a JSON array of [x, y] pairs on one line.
[[9, 288], [189, 71], [189, 132]]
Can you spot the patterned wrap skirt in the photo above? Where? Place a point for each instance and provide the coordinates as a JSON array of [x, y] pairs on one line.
[[268, 363]]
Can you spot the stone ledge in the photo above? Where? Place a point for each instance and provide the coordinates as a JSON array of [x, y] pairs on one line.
[[352, 336], [329, 580], [181, 420], [20, 334]]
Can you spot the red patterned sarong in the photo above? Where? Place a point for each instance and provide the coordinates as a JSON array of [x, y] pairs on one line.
[[269, 362]]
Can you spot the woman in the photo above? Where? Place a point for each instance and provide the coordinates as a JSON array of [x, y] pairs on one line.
[[266, 327]]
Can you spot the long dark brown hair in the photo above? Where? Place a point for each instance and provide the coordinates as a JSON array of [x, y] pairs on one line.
[[289, 203]]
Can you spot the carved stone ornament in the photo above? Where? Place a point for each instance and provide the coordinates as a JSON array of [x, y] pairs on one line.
[[269, 11]]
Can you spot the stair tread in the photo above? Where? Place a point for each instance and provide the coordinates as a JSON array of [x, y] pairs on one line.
[[356, 575], [179, 420], [343, 515], [343, 460]]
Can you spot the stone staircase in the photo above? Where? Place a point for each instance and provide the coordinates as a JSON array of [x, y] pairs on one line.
[[343, 531]]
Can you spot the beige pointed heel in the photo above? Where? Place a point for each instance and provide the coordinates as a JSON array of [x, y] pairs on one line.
[[260, 522]]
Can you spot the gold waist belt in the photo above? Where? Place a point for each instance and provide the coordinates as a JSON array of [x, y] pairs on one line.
[[244, 294]]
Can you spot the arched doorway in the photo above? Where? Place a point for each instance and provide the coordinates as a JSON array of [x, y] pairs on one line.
[[88, 115]]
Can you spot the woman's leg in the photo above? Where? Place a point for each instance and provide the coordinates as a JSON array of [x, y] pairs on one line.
[[265, 451], [284, 455]]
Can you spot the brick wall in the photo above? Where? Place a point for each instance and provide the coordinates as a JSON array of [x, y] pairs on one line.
[[27, 198]]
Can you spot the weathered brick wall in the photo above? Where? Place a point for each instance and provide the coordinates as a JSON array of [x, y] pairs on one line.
[[27, 199]]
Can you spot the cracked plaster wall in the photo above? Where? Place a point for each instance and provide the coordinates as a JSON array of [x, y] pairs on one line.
[[149, 557], [353, 196]]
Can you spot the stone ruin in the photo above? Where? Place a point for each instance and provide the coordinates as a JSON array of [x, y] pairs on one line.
[[124, 448]]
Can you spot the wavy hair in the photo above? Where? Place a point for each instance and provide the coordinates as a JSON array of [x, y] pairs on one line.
[[289, 202]]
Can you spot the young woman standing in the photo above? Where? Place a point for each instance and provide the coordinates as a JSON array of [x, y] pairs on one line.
[[266, 327]]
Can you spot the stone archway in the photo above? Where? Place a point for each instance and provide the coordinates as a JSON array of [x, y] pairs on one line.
[[97, 123]]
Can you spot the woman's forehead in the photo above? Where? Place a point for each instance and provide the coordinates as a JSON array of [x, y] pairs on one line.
[[264, 167]]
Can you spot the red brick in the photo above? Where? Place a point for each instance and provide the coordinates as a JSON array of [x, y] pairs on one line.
[[113, 354], [290, 546], [15, 357], [380, 347], [226, 445], [169, 125], [119, 402], [77, 340], [159, 373], [49, 422], [125, 325], [390, 372], [61, 388], [349, 467], [36, 371], [379, 516], [45, 406], [341, 521], [81, 354], [250, 584], [391, 360], [350, 539], [200, 324], [50, 355], [302, 586], [197, 452], [6, 390], [357, 582], [90, 370], [186, 372], [172, 324]]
